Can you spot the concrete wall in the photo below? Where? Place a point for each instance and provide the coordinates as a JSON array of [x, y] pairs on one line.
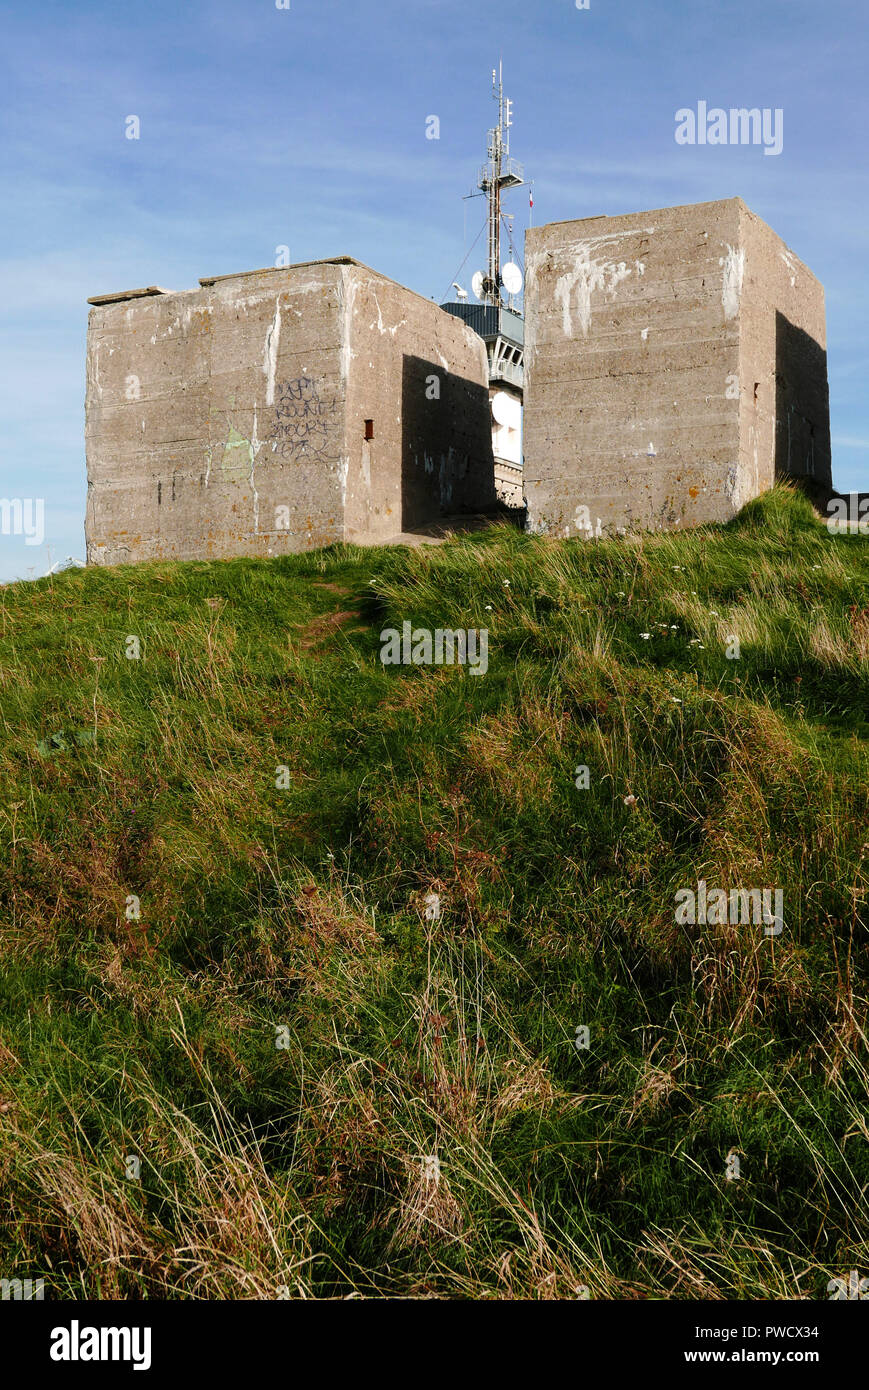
[[420, 375], [641, 331], [230, 420], [785, 401]]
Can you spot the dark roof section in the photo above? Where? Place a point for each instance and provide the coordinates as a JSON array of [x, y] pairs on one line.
[[490, 321]]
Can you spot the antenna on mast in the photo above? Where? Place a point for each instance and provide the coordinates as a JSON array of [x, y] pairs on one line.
[[499, 173], [500, 325]]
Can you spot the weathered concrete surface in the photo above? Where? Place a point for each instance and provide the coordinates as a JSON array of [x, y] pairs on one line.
[[231, 419], [422, 376], [784, 395], [675, 361]]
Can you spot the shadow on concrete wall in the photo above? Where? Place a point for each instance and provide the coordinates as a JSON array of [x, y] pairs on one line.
[[447, 465], [802, 407]]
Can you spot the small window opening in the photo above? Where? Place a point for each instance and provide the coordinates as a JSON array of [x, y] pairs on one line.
[[369, 429]]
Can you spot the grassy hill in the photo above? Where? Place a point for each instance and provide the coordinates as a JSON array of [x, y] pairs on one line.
[[324, 1091]]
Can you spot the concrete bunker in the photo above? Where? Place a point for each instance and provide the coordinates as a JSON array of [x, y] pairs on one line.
[[675, 366], [279, 410]]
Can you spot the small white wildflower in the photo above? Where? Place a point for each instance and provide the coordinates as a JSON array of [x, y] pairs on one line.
[[645, 636], [506, 583], [488, 607], [675, 699], [630, 801]]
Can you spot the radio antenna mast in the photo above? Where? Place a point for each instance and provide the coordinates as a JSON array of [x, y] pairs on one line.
[[499, 173]]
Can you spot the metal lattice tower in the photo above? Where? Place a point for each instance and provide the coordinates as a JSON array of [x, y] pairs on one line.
[[499, 173]]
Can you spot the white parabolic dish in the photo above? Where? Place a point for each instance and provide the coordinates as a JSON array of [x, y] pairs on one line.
[[511, 277], [506, 410]]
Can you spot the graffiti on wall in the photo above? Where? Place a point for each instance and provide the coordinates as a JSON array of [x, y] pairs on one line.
[[302, 419]]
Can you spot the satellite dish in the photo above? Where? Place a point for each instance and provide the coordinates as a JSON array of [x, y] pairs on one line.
[[506, 410], [511, 278], [477, 284]]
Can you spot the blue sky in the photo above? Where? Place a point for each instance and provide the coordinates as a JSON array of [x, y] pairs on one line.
[[306, 127]]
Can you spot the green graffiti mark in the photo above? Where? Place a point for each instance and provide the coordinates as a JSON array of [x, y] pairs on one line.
[[237, 458]]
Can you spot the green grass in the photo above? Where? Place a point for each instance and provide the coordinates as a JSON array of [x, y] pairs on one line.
[[309, 1167]]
